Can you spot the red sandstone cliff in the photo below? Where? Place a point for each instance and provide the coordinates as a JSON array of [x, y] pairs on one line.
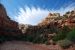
[[7, 26]]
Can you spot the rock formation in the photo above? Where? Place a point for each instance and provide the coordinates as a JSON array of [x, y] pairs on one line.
[[70, 20], [50, 18], [67, 19], [7, 26]]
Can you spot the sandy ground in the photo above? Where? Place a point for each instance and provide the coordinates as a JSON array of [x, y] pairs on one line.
[[20, 45]]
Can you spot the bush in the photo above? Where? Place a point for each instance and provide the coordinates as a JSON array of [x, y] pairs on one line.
[[71, 35], [65, 43], [58, 37], [61, 34]]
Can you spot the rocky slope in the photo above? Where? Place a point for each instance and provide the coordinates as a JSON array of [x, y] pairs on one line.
[[67, 19]]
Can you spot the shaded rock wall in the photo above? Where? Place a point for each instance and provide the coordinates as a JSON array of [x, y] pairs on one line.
[[7, 26]]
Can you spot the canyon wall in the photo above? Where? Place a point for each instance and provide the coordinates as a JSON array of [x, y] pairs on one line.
[[7, 26]]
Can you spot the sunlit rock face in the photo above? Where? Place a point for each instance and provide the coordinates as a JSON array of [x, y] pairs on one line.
[[50, 18], [67, 19], [70, 21], [54, 15]]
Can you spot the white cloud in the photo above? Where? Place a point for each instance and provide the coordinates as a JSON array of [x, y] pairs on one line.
[[34, 15], [31, 16]]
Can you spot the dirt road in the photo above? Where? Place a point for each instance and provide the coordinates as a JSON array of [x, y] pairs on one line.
[[20, 45]]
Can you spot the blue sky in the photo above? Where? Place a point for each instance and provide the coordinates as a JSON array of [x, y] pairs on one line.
[[33, 11]]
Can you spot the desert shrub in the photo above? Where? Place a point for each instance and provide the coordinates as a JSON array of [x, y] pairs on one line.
[[66, 29], [71, 35], [65, 43], [58, 37], [39, 39], [61, 34]]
